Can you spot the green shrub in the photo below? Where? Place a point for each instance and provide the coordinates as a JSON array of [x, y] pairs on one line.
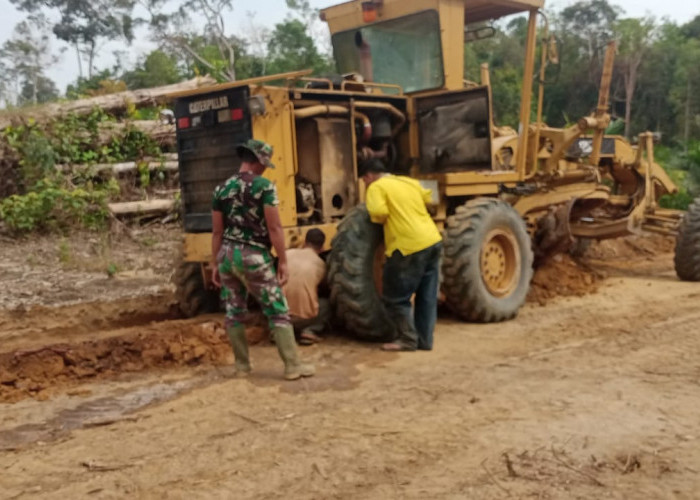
[[52, 207], [678, 201]]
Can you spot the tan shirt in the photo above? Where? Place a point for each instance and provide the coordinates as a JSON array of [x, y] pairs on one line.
[[306, 272]]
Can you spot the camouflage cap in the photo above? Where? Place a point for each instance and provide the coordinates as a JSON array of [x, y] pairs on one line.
[[261, 150]]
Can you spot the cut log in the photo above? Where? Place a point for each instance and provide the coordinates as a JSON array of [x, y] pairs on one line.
[[119, 168], [110, 102], [146, 207], [162, 133]]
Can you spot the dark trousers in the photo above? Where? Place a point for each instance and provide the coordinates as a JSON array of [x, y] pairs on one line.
[[405, 275], [317, 324]]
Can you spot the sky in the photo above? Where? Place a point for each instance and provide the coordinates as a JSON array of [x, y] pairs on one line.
[[270, 12]]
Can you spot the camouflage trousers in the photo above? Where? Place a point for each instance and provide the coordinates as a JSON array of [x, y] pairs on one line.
[[246, 270]]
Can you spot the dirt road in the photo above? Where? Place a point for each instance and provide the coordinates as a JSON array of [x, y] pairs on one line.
[[591, 396]]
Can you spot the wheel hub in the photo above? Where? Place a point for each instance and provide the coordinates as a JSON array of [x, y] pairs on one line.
[[500, 262]]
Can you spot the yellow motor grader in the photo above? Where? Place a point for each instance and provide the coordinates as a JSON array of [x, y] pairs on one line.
[[503, 197]]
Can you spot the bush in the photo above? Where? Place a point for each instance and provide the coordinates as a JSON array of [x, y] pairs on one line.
[[51, 207], [43, 198], [678, 201]]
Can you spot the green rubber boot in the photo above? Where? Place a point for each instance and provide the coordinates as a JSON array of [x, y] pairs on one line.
[[239, 343], [287, 347]]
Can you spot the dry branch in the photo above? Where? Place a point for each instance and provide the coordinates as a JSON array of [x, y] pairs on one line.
[[120, 168], [493, 478], [576, 469]]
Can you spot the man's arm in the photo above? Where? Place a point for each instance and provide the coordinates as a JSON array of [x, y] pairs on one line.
[[217, 235], [274, 227], [375, 199]]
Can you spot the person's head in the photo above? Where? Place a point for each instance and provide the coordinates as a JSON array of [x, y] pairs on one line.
[[315, 239], [255, 156], [371, 170]]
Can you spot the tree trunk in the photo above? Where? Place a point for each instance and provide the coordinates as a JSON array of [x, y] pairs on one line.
[[161, 133], [120, 168], [686, 125], [91, 59], [147, 207], [111, 103], [630, 85], [80, 62]]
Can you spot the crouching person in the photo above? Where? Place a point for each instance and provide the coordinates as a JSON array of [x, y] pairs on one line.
[[245, 223], [307, 272]]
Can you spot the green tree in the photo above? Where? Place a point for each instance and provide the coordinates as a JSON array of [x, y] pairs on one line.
[[85, 23], [654, 110], [290, 48], [209, 61], [591, 24], [636, 36], [692, 28], [157, 68], [101, 83], [685, 93], [24, 58], [213, 49], [39, 91]]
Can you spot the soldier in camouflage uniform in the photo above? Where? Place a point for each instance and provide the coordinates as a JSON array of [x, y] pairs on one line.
[[246, 223]]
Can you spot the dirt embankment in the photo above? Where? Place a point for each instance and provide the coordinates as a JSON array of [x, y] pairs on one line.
[[44, 350], [36, 372]]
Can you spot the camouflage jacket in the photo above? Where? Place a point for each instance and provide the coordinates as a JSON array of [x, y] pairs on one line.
[[242, 199]]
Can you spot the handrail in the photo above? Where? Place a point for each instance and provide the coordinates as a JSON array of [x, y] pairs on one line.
[[372, 84]]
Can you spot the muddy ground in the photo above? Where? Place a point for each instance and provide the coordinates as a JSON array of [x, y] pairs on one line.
[[591, 392]]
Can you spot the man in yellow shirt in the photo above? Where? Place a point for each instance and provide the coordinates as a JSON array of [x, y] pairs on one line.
[[413, 248]]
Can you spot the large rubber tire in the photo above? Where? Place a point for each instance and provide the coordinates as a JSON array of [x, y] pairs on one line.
[[192, 296], [356, 302], [487, 261], [687, 258]]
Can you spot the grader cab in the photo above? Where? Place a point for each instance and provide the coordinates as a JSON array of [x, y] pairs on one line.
[[504, 198]]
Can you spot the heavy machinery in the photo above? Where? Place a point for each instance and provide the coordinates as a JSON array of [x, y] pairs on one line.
[[503, 198]]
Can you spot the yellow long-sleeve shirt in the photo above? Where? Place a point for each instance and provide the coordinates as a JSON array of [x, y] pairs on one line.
[[398, 203]]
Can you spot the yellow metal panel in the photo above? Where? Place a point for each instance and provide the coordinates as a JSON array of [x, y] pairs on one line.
[[475, 10], [471, 190], [482, 177], [526, 95], [452, 35], [197, 247], [276, 128], [294, 236], [348, 16], [561, 194]]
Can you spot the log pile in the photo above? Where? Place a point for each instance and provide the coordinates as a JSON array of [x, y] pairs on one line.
[[160, 198]]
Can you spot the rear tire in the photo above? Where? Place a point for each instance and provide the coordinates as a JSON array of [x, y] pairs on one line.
[[687, 257], [356, 302], [192, 296], [487, 263]]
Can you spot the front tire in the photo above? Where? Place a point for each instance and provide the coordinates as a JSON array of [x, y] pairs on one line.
[[687, 255], [487, 264], [356, 302], [192, 296]]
